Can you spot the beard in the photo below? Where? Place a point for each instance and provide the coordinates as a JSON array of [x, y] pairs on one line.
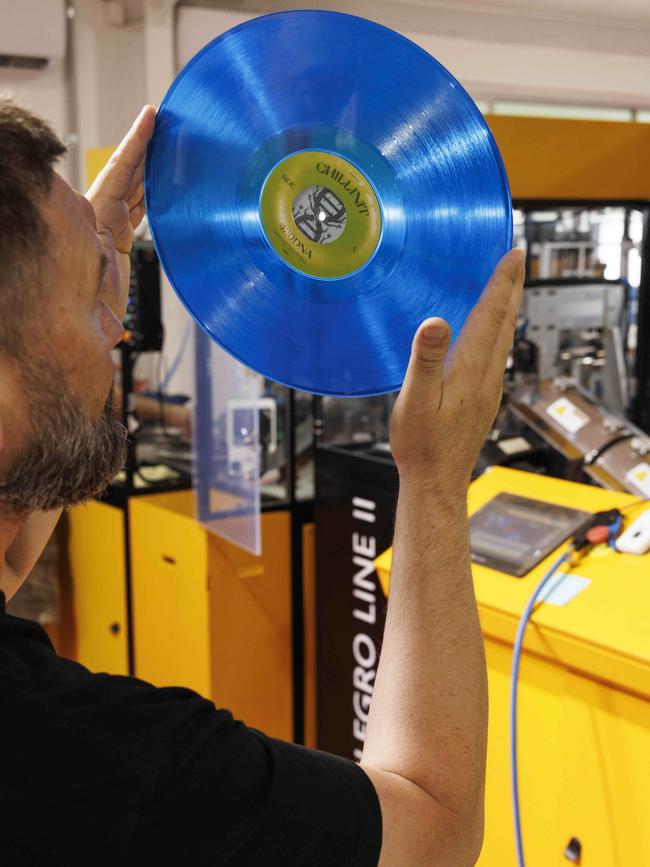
[[70, 458]]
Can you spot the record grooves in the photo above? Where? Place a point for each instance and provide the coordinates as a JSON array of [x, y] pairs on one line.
[[317, 185]]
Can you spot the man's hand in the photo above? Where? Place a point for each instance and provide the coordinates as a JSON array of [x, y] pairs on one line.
[[447, 405], [426, 736], [117, 196]]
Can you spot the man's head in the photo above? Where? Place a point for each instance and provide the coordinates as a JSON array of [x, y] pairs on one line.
[[60, 440]]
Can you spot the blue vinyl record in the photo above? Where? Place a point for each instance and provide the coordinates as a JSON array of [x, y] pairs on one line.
[[317, 185]]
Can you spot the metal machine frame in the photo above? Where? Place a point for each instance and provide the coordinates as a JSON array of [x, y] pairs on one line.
[[640, 406]]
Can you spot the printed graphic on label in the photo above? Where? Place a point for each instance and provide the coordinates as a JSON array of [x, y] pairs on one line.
[[640, 477], [320, 214], [567, 415]]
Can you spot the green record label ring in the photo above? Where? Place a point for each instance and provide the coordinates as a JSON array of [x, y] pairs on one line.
[[320, 214]]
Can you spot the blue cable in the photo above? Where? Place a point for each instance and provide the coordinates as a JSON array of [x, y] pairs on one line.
[[514, 683], [614, 530]]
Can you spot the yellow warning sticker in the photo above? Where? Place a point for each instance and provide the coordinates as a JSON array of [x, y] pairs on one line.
[[567, 415], [639, 476]]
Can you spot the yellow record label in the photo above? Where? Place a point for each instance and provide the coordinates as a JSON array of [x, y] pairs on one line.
[[320, 214]]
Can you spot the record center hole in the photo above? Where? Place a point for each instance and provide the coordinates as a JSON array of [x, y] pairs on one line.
[[319, 214]]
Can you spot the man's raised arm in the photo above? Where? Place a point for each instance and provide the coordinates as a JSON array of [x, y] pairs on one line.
[[426, 737]]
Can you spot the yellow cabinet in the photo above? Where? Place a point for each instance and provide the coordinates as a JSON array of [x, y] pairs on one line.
[[584, 697], [250, 612], [96, 556], [605, 799], [205, 614], [171, 630], [210, 616]]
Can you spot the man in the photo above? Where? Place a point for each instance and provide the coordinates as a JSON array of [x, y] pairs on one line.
[[98, 769]]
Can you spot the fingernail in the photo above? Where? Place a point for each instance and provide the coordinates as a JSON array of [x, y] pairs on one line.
[[521, 256], [435, 333]]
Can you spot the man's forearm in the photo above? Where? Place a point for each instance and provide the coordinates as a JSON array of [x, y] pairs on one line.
[[428, 719], [427, 730]]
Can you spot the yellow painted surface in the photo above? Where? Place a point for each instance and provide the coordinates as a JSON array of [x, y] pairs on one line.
[[169, 589], [605, 631], [584, 720], [584, 753], [548, 158], [551, 158], [206, 614], [96, 159], [96, 553], [250, 614]]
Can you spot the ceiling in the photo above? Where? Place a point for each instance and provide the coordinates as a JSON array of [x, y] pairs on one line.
[[593, 11], [609, 26], [602, 12]]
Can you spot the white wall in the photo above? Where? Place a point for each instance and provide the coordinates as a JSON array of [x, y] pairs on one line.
[[494, 55], [42, 91], [91, 95], [109, 87], [195, 27], [492, 70]]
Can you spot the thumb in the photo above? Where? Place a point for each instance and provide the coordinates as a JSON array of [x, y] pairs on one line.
[[423, 381]]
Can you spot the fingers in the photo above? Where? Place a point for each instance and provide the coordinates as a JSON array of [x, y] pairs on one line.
[[422, 386], [137, 196], [488, 332], [133, 146], [504, 341], [136, 206], [123, 173], [136, 215]]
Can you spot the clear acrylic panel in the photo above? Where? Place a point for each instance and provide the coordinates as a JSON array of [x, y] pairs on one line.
[[231, 411]]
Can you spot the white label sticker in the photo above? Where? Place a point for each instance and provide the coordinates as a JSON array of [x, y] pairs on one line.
[[563, 588], [514, 445], [640, 478], [567, 415]]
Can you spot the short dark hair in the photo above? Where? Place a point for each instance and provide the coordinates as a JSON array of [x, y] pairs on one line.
[[28, 151]]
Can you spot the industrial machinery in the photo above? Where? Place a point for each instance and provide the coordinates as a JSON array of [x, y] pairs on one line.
[[158, 458], [587, 299], [606, 446], [581, 674], [579, 329], [579, 367], [143, 323]]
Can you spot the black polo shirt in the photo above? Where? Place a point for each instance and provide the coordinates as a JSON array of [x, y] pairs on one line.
[[100, 769]]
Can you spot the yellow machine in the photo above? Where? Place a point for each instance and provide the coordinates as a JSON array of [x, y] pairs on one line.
[[205, 614], [584, 695]]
